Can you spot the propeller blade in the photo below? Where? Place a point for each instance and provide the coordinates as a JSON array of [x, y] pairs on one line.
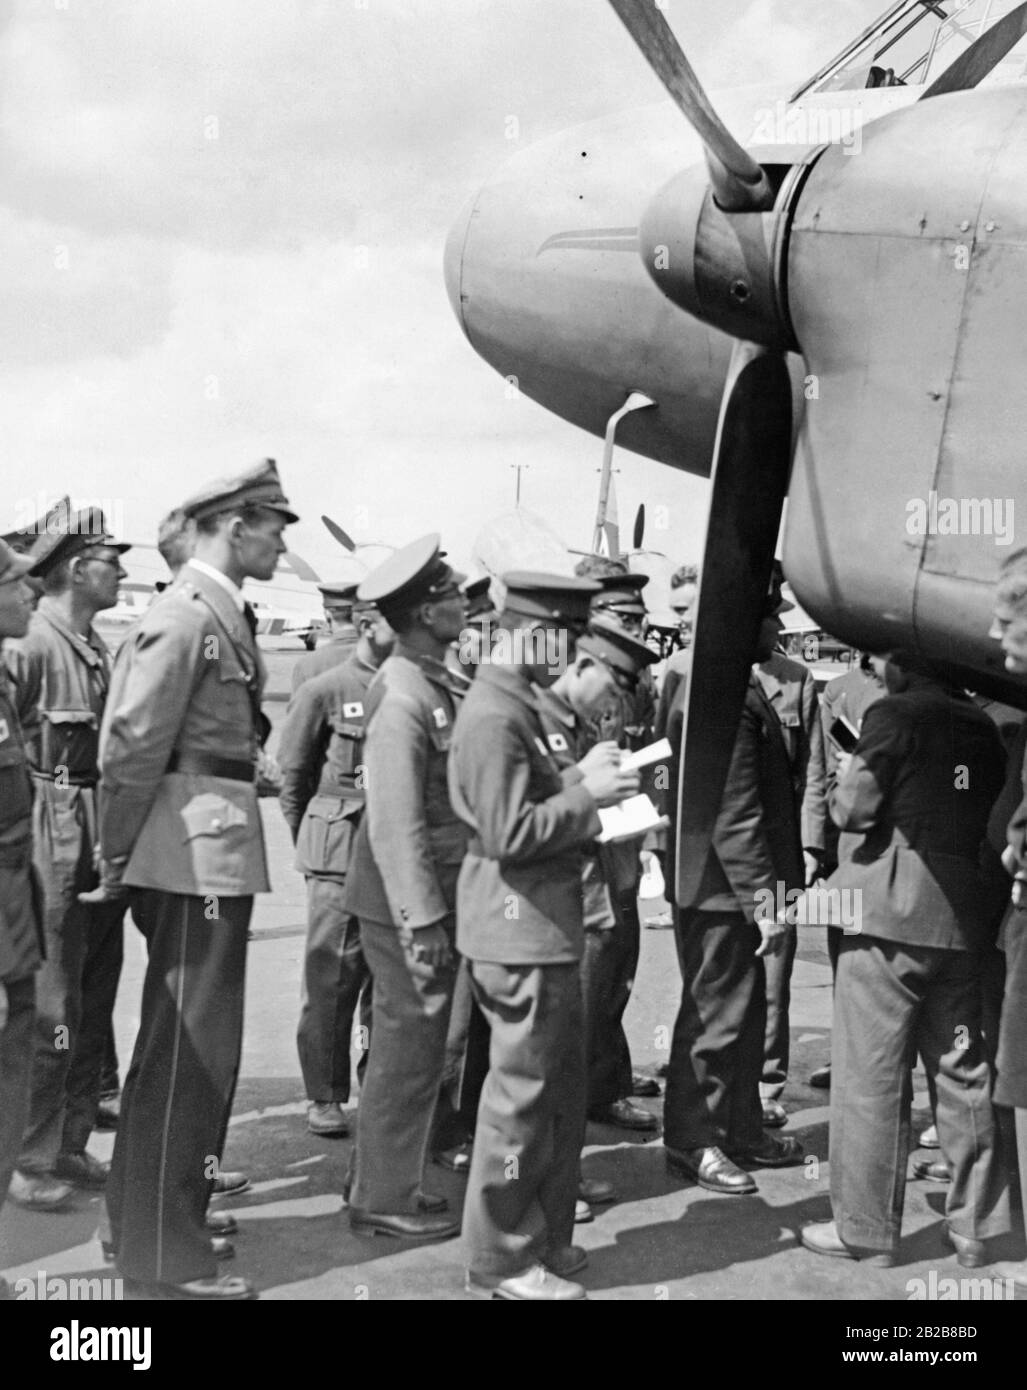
[[752, 457], [975, 62], [638, 535], [301, 569], [338, 534], [739, 183]]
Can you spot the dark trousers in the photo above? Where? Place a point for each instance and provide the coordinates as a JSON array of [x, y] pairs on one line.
[[523, 1181], [465, 1067], [335, 980], [16, 1043], [178, 1093], [776, 1042], [75, 993], [411, 1007], [716, 1053], [891, 999], [607, 976]]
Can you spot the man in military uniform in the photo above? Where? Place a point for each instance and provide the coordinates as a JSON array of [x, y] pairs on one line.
[[180, 824], [402, 885], [342, 634], [21, 935], [60, 674], [520, 924], [792, 693], [320, 753]]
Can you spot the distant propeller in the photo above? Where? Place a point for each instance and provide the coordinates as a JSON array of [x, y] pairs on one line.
[[975, 62], [338, 534], [638, 534], [739, 183]]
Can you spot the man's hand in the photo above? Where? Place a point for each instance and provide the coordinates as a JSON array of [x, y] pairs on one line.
[[608, 784], [600, 756], [844, 763], [110, 889], [3, 1006], [812, 862], [774, 932], [427, 946]]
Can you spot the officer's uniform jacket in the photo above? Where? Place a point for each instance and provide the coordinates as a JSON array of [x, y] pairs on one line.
[[519, 895], [60, 680], [320, 754], [568, 742], [791, 690], [324, 657], [178, 747], [21, 938], [410, 844], [756, 843], [913, 822]]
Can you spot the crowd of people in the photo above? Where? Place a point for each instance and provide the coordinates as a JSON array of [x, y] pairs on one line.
[[443, 767]]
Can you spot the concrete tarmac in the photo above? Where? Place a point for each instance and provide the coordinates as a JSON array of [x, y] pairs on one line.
[[664, 1238]]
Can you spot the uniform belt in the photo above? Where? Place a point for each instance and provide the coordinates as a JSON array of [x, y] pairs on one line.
[[210, 765], [67, 778], [345, 792]]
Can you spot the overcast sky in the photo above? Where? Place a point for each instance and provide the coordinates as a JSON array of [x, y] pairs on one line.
[[222, 226]]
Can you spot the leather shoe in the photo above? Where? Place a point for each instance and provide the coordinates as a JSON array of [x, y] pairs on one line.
[[775, 1116], [970, 1253], [820, 1080], [772, 1152], [582, 1213], [534, 1285], [933, 1169], [38, 1191], [823, 1239], [644, 1085], [456, 1160], [427, 1202], [108, 1111], [403, 1225], [711, 1169], [625, 1114], [326, 1119], [565, 1261], [228, 1184], [221, 1248], [596, 1192], [221, 1223], [929, 1138], [223, 1288], [82, 1170]]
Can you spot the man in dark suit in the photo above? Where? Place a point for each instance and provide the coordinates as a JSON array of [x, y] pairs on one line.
[[402, 886], [180, 825], [339, 599], [713, 1120], [519, 916], [913, 805], [320, 754]]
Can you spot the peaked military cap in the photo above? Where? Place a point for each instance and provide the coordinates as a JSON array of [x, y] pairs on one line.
[[14, 565], [24, 539], [478, 597], [416, 574], [340, 593], [73, 534], [556, 598], [623, 654], [259, 486], [623, 591]]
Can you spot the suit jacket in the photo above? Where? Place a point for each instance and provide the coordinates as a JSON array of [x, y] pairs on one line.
[[320, 755], [411, 842], [756, 845], [914, 809], [189, 682], [324, 656], [792, 692], [519, 893]]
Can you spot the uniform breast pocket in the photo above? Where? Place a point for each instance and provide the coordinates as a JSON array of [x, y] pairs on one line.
[[345, 746], [211, 816]]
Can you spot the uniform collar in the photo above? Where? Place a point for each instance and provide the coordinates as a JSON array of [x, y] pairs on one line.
[[556, 706], [229, 585], [510, 679], [89, 647]]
